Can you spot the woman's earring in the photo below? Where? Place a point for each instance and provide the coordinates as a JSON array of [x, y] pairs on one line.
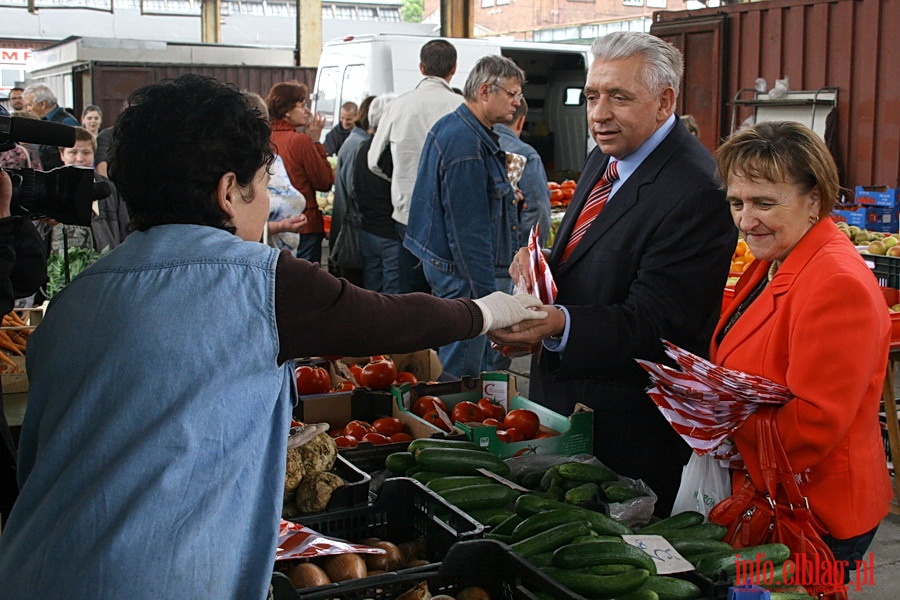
[[813, 219]]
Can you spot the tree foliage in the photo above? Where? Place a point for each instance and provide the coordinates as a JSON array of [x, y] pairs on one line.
[[412, 11]]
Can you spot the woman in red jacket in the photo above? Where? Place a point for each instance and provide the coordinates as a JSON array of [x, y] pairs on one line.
[[303, 156], [808, 314]]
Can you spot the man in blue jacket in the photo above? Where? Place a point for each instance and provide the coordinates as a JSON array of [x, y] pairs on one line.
[[40, 100], [464, 214]]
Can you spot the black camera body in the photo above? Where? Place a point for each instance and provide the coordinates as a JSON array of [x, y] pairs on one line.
[[64, 194]]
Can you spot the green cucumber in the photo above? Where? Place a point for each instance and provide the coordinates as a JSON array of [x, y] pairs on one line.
[[399, 462], [695, 546], [586, 473], [644, 593], [679, 521], [490, 535], [440, 484], [606, 569], [423, 476], [586, 554], [600, 586], [619, 492], [532, 479], [487, 495], [419, 443], [710, 565], [529, 504], [491, 516], [704, 531], [544, 521], [672, 588], [542, 559], [550, 476], [460, 461], [582, 493], [508, 525], [551, 539]]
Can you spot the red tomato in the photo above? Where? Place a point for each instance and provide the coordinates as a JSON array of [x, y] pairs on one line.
[[467, 412], [426, 404], [435, 419], [493, 422], [508, 436], [312, 380], [356, 371], [345, 386], [406, 377], [526, 421], [378, 375], [491, 409], [401, 437], [544, 434], [552, 185], [358, 429], [388, 425], [346, 441], [376, 438], [336, 432]]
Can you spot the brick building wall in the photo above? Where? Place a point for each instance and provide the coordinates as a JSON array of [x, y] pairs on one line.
[[520, 18]]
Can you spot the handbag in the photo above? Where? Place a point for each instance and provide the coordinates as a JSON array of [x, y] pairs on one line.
[[754, 517]]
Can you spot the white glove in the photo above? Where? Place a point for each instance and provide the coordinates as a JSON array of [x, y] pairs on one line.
[[502, 310]]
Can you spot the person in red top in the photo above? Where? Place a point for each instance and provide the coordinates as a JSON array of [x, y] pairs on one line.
[[798, 313], [303, 156]]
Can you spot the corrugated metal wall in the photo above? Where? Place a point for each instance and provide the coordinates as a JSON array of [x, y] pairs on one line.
[[110, 83], [848, 44]]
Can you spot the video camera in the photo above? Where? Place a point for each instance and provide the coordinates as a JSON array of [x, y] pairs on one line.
[[64, 194]]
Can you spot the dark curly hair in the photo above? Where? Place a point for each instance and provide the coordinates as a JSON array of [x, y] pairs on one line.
[[173, 143]]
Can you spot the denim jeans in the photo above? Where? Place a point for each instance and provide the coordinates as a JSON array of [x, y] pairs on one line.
[[410, 275], [310, 247], [472, 356], [380, 262]]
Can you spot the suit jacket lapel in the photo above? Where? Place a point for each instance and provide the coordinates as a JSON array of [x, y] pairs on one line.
[[623, 200]]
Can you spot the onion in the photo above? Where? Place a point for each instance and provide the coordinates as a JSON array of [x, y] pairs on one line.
[[370, 541], [306, 574], [376, 562], [418, 562], [473, 593], [342, 567], [394, 555]]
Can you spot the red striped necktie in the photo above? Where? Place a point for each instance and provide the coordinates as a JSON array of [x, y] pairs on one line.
[[595, 202]]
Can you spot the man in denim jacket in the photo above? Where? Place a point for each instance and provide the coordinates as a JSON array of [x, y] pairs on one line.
[[464, 214]]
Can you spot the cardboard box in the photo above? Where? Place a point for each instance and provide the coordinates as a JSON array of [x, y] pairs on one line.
[[876, 195], [424, 364], [15, 379], [850, 215], [575, 432], [881, 219]]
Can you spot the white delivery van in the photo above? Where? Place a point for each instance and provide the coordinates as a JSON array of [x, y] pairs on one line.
[[354, 67]]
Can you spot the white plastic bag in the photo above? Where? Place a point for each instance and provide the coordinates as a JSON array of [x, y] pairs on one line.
[[704, 483]]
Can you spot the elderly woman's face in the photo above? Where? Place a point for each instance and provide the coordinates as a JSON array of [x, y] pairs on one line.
[[773, 217]]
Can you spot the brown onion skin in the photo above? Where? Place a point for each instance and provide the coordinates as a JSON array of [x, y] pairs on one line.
[[342, 567], [306, 574]]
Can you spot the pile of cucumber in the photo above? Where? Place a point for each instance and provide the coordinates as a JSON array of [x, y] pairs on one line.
[[580, 548]]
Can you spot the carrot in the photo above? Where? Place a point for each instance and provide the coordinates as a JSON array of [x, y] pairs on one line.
[[7, 344], [6, 359]]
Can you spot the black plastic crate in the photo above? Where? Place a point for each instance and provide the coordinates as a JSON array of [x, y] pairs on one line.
[[404, 511], [488, 564], [885, 268]]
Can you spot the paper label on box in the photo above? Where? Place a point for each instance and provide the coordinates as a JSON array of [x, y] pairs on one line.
[[661, 551], [495, 387], [503, 480]]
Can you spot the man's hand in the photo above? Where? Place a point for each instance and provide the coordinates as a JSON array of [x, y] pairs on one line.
[[6, 190], [531, 332], [520, 270]]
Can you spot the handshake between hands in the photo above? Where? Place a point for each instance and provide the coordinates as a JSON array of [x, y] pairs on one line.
[[520, 320]]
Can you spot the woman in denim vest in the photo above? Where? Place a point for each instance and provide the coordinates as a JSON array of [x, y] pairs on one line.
[[153, 450]]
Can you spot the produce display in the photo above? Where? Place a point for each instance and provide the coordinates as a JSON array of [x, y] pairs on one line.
[[561, 193], [13, 339], [379, 373], [309, 482], [871, 242]]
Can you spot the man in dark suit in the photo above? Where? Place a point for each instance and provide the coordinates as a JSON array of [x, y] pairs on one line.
[[651, 264]]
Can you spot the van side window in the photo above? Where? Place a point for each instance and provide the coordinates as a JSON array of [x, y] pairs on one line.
[[355, 78], [327, 90]]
